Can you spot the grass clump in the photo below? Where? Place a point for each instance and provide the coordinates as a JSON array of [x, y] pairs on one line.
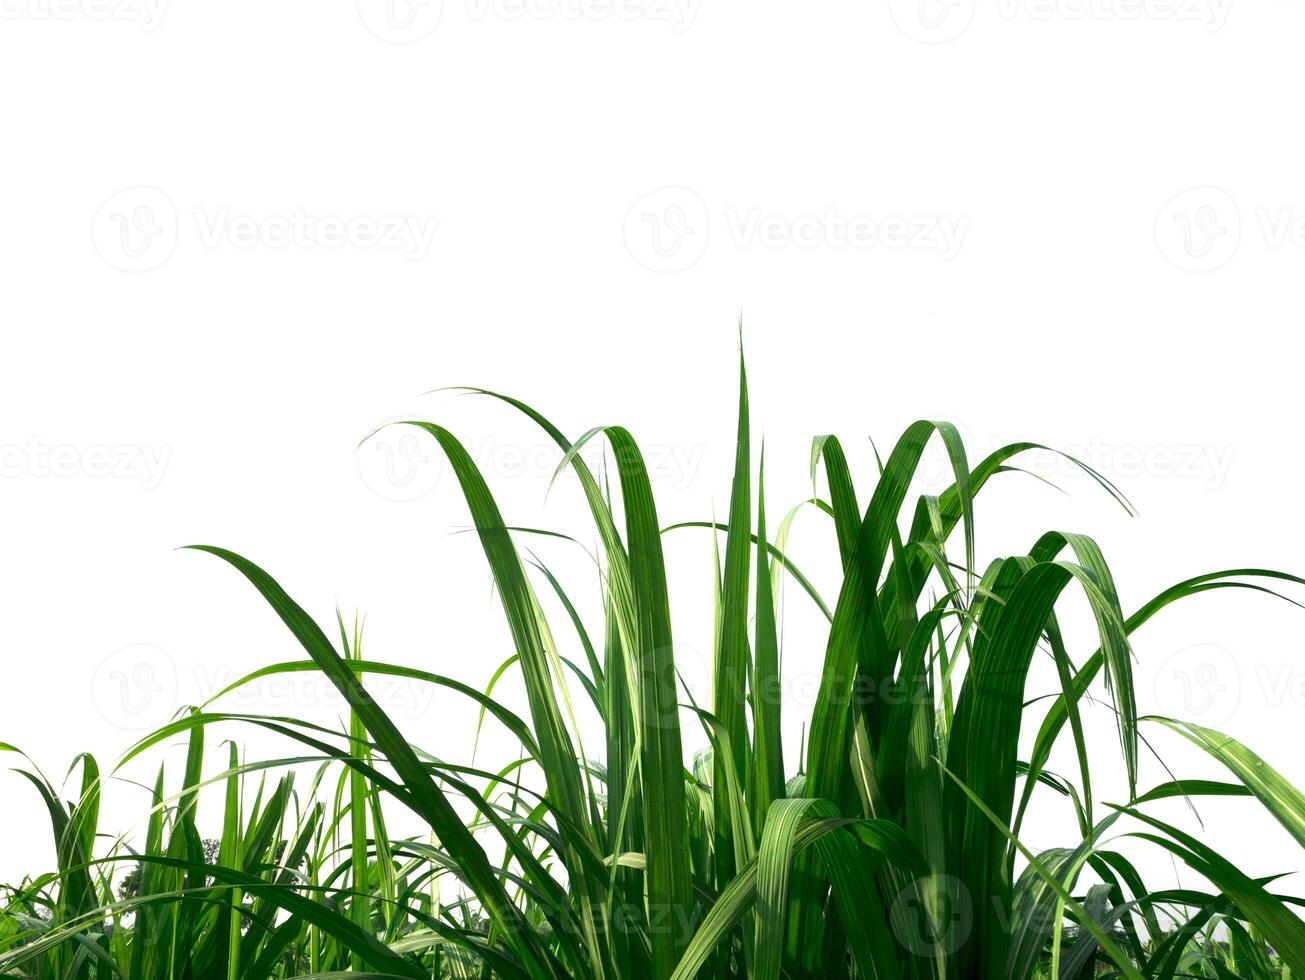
[[891, 848]]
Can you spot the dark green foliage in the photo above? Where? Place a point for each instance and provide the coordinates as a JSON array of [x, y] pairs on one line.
[[890, 847]]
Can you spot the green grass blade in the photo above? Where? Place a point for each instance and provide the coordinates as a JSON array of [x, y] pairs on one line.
[[424, 795], [1283, 800]]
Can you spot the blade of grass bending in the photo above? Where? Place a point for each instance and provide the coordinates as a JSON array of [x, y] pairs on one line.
[[1058, 712], [1283, 800], [422, 793], [1127, 874], [376, 954], [842, 493], [982, 751], [1108, 945], [782, 562], [732, 795], [509, 719], [1281, 927], [1036, 909], [552, 904], [859, 909], [858, 635], [591, 657], [618, 565], [951, 507], [545, 684], [774, 861], [1191, 787], [521, 608], [739, 896], [1114, 638], [661, 763]]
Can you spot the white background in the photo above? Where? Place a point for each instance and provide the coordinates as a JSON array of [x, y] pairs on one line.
[[238, 237]]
